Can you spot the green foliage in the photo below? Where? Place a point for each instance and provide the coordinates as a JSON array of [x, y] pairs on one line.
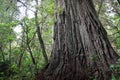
[[7, 70], [49, 8], [116, 69], [14, 45], [113, 77], [117, 42], [10, 24]]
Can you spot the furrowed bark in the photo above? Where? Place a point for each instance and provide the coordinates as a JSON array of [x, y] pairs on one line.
[[81, 48]]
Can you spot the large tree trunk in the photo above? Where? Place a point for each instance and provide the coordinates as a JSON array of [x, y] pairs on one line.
[[81, 48]]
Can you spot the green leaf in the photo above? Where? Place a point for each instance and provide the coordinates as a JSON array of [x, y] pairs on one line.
[[118, 42], [9, 38], [113, 77], [3, 25]]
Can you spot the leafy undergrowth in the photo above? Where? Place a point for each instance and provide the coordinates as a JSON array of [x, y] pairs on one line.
[[116, 70], [26, 72]]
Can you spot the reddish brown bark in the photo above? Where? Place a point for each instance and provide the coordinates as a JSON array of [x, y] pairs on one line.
[[81, 48]]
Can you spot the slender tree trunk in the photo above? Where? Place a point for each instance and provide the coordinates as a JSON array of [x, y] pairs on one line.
[[10, 47], [39, 35], [81, 48], [28, 45], [1, 51]]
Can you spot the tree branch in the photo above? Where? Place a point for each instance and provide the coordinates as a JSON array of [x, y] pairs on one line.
[[100, 7]]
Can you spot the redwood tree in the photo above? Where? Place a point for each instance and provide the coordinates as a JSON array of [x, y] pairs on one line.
[[81, 48]]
